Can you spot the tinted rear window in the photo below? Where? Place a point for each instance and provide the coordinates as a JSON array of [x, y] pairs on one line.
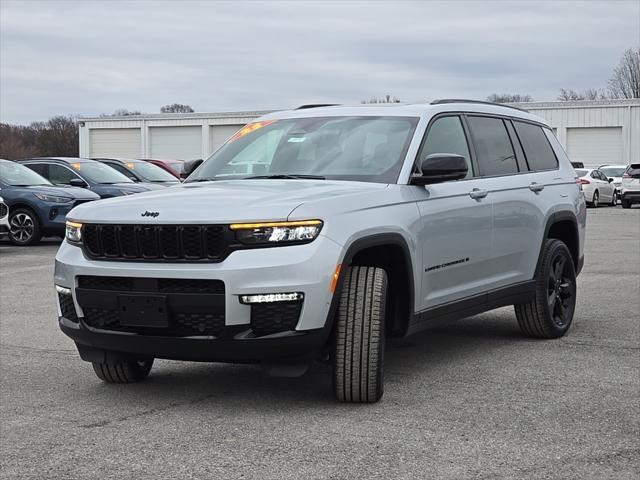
[[536, 147], [634, 170], [493, 147]]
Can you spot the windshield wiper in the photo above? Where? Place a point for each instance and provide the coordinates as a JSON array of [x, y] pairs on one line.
[[203, 179], [286, 176]]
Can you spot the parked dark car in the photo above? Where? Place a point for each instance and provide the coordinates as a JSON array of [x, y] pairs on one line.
[[86, 173], [140, 171], [36, 207], [174, 167]]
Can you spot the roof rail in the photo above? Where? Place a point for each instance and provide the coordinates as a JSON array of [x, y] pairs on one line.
[[481, 102], [316, 105]]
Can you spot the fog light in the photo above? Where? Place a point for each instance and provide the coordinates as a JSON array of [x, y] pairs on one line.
[[63, 290], [271, 297]]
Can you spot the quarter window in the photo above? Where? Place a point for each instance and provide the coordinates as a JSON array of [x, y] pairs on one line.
[[536, 146], [446, 135], [493, 146]]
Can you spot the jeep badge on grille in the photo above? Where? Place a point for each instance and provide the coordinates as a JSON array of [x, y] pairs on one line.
[[147, 213]]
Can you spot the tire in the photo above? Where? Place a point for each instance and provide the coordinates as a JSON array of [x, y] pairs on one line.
[[614, 199], [358, 375], [626, 203], [124, 371], [24, 227], [594, 200], [550, 313]]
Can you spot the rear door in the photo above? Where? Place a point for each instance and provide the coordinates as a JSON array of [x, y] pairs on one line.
[[455, 232], [519, 199]]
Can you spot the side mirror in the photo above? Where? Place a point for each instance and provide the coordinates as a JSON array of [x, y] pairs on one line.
[[610, 180], [440, 167], [76, 182], [190, 166]]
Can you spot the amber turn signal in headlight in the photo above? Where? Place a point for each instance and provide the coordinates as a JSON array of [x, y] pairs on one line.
[[274, 233], [73, 231]]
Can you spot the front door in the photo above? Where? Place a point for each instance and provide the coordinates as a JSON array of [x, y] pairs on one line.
[[456, 229]]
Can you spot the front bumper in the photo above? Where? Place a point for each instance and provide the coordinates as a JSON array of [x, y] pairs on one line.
[[304, 268], [631, 195]]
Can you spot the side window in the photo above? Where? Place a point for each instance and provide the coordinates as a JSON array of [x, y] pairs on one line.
[[536, 146], [60, 175], [493, 146], [595, 175], [39, 168], [446, 135]]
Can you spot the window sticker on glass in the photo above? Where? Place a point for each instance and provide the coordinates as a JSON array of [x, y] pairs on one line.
[[76, 166], [251, 127], [296, 140]]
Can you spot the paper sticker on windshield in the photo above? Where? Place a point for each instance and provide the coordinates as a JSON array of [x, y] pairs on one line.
[[296, 140], [76, 166], [250, 127]]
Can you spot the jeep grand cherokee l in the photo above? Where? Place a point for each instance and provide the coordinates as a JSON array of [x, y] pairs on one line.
[[319, 233]]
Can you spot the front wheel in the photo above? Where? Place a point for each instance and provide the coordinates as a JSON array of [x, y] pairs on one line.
[[125, 371], [626, 203], [595, 200], [358, 375], [550, 313], [614, 199], [24, 227]]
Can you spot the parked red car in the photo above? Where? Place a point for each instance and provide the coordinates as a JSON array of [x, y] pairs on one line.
[[174, 167]]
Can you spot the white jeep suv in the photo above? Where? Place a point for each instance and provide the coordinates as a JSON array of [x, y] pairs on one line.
[[321, 231]]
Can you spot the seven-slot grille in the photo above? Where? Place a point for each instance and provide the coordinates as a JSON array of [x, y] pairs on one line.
[[156, 242]]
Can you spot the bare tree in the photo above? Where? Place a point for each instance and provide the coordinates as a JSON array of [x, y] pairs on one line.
[[58, 136], [625, 82], [509, 98], [567, 95], [176, 108], [385, 99]]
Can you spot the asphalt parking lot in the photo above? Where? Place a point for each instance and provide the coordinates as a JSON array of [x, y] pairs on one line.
[[472, 399]]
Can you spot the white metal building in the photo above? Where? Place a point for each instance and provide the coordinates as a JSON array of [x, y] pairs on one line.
[[593, 132], [184, 136]]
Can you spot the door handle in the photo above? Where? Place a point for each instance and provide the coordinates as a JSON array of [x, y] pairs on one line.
[[536, 187], [477, 194]]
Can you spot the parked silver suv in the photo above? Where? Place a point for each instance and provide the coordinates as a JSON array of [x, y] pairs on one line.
[[319, 232]]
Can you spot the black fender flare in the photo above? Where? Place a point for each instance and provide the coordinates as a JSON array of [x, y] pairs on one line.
[[561, 216]]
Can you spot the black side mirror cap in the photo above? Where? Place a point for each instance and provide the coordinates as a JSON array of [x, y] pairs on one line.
[[190, 166], [610, 180], [440, 167], [76, 182]]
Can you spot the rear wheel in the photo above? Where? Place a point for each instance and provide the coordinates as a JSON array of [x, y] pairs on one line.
[[24, 227], [126, 371], [550, 313], [359, 340]]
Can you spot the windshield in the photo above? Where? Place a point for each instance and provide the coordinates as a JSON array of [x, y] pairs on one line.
[[580, 172], [369, 149], [613, 171], [97, 172], [177, 166], [18, 175], [151, 172]]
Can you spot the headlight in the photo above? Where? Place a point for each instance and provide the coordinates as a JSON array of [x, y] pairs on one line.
[[52, 198], [73, 231], [274, 233]]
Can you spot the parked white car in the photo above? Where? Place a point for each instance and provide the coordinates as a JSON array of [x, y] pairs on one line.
[[615, 172], [598, 189], [631, 186], [4, 218]]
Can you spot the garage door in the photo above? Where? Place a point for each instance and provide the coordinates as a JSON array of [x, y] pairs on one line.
[[218, 134], [595, 146], [115, 142], [184, 143]]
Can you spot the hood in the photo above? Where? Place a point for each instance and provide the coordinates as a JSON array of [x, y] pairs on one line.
[[61, 191], [136, 187], [221, 201]]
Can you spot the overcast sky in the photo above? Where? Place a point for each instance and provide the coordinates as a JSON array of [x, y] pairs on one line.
[[91, 57]]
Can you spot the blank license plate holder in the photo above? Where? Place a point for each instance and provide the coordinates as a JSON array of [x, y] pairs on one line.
[[143, 311]]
